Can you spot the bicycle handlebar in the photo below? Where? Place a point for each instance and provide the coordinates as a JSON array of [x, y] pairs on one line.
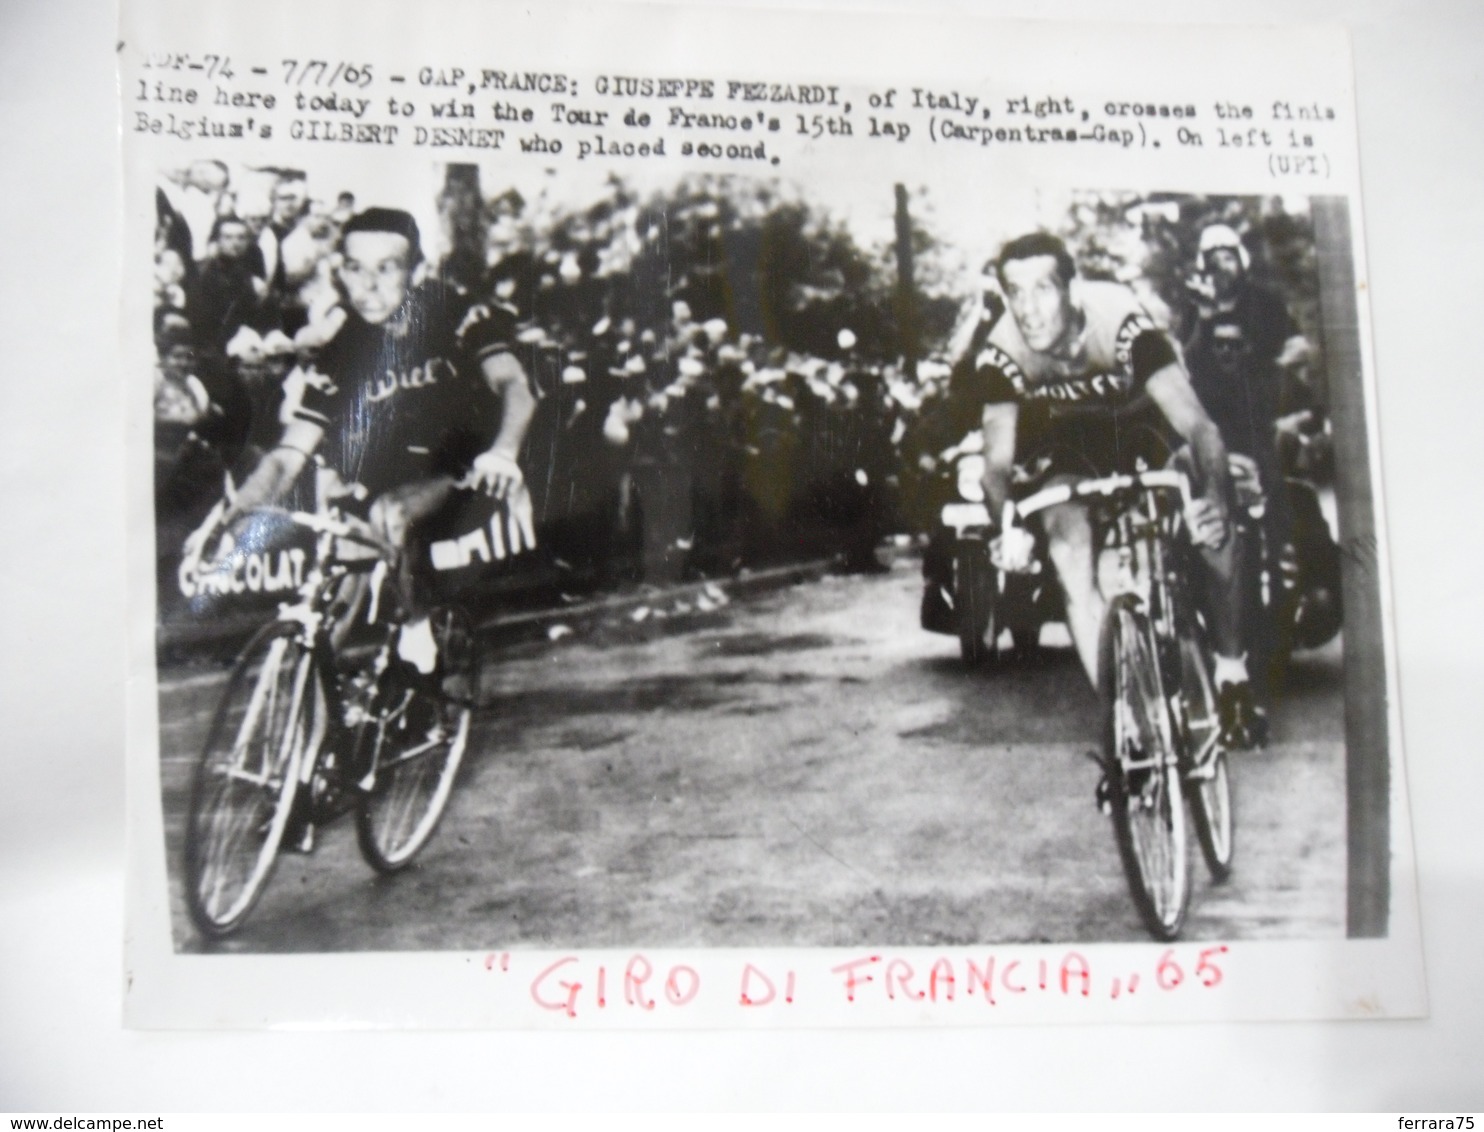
[[1167, 479], [331, 525]]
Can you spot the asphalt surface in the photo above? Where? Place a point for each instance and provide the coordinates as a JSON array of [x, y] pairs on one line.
[[802, 767]]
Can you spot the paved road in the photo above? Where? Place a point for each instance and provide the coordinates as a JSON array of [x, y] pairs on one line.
[[804, 767]]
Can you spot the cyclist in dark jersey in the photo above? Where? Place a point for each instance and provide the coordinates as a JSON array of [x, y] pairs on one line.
[[1079, 382], [392, 407]]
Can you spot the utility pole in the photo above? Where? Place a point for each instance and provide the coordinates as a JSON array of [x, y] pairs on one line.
[[1367, 755], [905, 304]]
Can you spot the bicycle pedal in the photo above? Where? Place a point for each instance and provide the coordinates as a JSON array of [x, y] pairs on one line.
[[1103, 796]]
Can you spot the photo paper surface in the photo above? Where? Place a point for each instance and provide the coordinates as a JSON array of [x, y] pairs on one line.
[[652, 517]]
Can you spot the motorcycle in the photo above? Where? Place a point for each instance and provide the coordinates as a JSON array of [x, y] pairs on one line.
[[1292, 591], [964, 594], [1292, 582]]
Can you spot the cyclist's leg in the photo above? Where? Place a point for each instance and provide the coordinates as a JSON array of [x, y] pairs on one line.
[[428, 728], [1219, 583], [1069, 544], [397, 513], [1218, 586], [396, 516]]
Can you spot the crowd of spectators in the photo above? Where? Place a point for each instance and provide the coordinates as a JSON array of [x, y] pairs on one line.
[[701, 410], [722, 383], [243, 295]]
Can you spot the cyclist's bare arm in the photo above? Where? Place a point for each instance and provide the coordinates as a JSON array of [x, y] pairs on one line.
[[999, 423], [277, 470], [1170, 389], [497, 470], [1011, 550]]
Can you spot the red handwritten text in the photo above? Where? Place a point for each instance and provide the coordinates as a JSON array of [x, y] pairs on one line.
[[559, 986]]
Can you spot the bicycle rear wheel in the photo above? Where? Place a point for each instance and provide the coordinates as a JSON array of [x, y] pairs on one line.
[[415, 775], [1207, 777], [1143, 775], [246, 779]]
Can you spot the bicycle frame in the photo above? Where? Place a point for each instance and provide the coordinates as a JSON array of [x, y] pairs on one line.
[[1156, 688], [354, 737], [317, 621], [1145, 532], [1140, 518]]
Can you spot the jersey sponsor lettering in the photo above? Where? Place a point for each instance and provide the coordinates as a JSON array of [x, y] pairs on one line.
[[1123, 344], [418, 377], [1096, 387], [1098, 367], [400, 402]]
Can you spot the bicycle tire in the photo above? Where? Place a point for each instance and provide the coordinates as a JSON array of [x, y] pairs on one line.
[[1142, 770], [404, 805], [246, 779], [974, 602], [1207, 775]]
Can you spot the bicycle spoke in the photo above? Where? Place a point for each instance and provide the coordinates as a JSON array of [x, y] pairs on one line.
[[408, 798], [1148, 810], [245, 782], [1207, 772]]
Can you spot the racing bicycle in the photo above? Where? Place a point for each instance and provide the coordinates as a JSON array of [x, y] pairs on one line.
[[1162, 748], [310, 728]]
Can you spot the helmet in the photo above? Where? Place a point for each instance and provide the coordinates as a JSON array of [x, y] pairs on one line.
[[1221, 236]]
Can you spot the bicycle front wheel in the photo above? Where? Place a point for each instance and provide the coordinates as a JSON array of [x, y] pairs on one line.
[[1143, 772], [1207, 778], [974, 601], [246, 779], [415, 774]]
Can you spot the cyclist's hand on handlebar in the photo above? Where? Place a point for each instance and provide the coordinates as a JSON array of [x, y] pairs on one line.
[[513, 529], [495, 474], [1014, 552], [520, 522], [211, 542], [1208, 523]]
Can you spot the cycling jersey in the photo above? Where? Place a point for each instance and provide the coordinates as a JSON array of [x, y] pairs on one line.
[[404, 403], [1083, 410]]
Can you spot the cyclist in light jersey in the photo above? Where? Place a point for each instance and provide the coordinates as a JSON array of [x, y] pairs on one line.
[[1079, 382]]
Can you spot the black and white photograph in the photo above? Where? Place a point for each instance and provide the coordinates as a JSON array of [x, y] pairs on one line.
[[739, 554], [720, 562], [740, 541]]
